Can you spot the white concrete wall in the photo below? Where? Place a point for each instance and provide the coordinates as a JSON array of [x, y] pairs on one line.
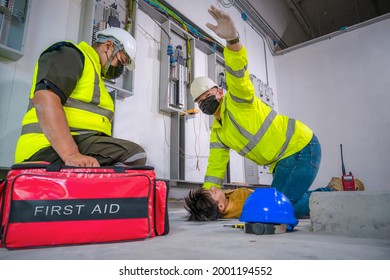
[[340, 88], [49, 21]]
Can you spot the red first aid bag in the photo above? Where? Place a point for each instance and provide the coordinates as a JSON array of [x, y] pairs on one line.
[[46, 205]]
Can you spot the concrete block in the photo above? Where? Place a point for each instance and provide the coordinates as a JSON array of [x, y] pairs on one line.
[[356, 214]]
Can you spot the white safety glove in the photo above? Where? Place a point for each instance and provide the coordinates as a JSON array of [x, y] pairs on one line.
[[225, 26]]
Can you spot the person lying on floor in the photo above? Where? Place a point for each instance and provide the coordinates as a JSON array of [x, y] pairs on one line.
[[215, 203]]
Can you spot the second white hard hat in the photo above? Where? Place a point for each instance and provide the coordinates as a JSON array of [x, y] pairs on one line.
[[200, 85], [126, 42]]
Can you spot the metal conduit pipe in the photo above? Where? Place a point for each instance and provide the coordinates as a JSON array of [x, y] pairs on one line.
[[265, 59]]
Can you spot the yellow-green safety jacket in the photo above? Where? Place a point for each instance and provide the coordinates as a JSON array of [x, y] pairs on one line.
[[249, 126], [88, 108]]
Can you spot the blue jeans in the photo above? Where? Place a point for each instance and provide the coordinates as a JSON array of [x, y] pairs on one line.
[[294, 175]]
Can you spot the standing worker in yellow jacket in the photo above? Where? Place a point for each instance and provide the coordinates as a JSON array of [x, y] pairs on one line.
[[69, 117], [247, 125]]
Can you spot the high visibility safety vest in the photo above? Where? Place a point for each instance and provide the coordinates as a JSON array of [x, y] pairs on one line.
[[249, 126], [88, 108]]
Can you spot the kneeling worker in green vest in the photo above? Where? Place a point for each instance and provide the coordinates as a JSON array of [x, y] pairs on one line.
[[69, 117], [244, 123]]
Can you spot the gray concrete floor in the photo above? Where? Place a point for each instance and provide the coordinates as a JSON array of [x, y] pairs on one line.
[[213, 241]]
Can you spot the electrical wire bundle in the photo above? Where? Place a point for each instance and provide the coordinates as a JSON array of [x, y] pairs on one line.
[[186, 26]]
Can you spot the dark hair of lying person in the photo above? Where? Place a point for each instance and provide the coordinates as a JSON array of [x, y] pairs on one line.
[[200, 206]]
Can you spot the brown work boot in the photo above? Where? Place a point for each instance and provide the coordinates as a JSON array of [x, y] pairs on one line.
[[336, 184]]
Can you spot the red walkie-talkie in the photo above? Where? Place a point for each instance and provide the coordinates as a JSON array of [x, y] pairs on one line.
[[347, 180]]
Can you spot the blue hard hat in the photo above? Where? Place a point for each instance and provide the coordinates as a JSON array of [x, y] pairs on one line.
[[267, 205]]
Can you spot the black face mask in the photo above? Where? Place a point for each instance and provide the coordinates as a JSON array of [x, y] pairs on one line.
[[210, 105], [114, 72]]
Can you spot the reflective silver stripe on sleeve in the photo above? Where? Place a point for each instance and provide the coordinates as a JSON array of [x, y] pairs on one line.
[[77, 104], [289, 133], [219, 139], [214, 180], [238, 74], [240, 100], [216, 145], [259, 134]]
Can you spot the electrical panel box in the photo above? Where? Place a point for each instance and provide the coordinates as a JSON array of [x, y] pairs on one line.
[[216, 69], [263, 91], [177, 47], [101, 14], [265, 176], [251, 172], [178, 79], [108, 13], [13, 22]]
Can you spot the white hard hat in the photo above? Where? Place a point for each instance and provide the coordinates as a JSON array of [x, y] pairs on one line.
[[200, 85], [125, 41]]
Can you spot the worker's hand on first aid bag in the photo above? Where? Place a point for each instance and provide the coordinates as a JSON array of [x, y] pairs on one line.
[[81, 161], [225, 26]]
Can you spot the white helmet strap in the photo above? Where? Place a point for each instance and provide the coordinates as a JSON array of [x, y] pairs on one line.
[[108, 64], [118, 44]]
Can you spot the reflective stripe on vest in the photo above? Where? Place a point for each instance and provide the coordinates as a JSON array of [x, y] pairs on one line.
[[77, 104], [256, 138], [289, 133], [34, 128]]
